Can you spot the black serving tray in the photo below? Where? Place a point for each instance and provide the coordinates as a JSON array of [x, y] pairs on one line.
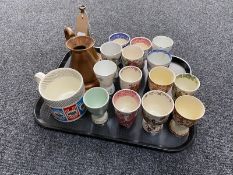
[[112, 131]]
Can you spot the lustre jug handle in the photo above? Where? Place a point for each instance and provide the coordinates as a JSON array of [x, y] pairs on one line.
[[68, 33]]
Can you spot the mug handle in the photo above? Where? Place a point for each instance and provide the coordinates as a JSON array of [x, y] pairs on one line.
[[38, 77]]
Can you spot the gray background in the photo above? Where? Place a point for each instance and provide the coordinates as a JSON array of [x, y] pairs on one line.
[[31, 40]]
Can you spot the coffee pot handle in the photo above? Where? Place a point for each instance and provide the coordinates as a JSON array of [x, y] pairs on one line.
[[38, 77], [68, 33]]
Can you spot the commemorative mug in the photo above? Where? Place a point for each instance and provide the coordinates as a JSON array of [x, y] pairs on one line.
[[62, 90]]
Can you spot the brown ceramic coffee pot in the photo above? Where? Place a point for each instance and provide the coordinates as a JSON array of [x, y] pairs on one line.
[[83, 54]]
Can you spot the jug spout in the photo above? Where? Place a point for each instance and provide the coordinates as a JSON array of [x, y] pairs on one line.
[[68, 33]]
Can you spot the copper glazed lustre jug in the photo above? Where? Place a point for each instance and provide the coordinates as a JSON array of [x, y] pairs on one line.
[[83, 53], [83, 58]]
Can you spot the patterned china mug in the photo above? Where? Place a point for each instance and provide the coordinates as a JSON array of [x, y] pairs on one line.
[[188, 110], [133, 55], [185, 84], [126, 103], [157, 106]]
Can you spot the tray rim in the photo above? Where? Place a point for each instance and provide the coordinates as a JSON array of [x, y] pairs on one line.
[[185, 145]]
